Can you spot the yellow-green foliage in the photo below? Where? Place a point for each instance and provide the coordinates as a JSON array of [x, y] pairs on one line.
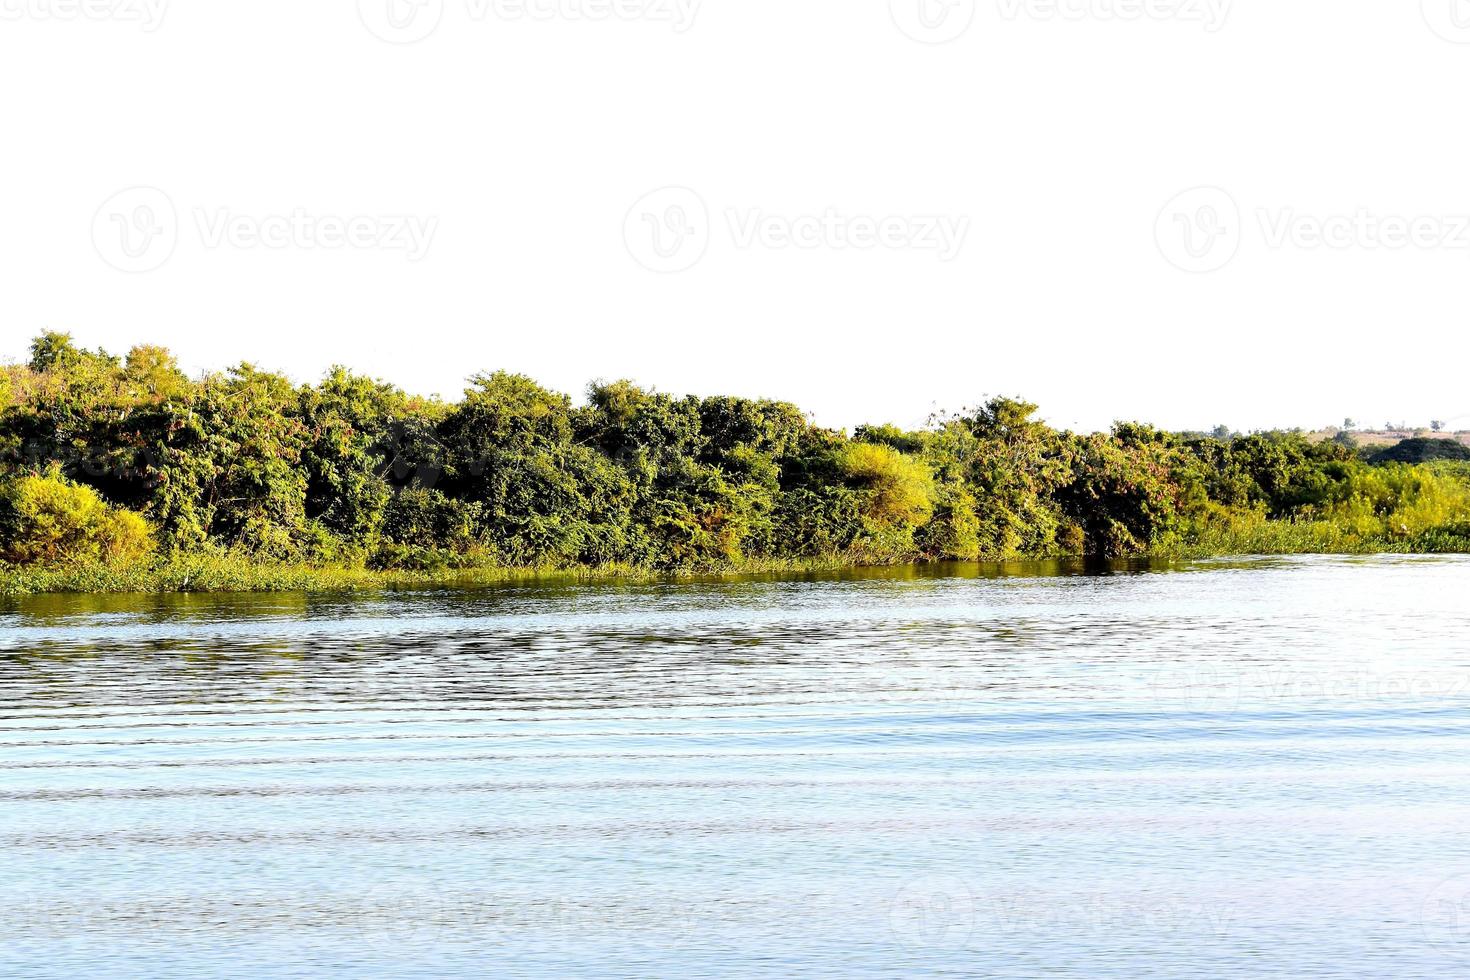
[[1239, 531], [1395, 508], [897, 490], [48, 519], [1401, 500], [250, 480], [954, 533]]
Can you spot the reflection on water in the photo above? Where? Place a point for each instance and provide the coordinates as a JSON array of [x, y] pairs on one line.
[[1233, 768]]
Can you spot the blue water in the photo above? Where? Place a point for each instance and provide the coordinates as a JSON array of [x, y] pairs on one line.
[[1255, 768]]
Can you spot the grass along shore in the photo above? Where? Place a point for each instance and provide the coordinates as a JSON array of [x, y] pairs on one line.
[[226, 573]]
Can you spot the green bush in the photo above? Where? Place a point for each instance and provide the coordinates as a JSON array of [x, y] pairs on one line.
[[954, 532], [1450, 538], [897, 489], [895, 496], [49, 519]]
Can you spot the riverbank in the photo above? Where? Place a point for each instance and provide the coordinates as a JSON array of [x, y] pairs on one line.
[[213, 574], [226, 574], [126, 475]]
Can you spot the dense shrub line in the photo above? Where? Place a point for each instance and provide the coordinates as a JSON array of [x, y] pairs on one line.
[[112, 460]]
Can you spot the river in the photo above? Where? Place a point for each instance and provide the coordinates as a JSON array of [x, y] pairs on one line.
[[1255, 767]]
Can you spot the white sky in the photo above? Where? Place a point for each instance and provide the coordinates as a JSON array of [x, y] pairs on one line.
[[524, 145]]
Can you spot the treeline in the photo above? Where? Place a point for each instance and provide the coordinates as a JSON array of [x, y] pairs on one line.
[[118, 458]]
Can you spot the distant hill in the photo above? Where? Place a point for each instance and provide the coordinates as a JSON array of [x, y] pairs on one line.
[[1423, 451], [1385, 438]]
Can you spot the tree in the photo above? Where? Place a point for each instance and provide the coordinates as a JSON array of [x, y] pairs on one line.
[[1135, 490], [356, 444], [154, 371], [53, 351], [1016, 464], [543, 497]]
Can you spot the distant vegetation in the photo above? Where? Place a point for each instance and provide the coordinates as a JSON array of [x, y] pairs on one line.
[[121, 472], [1423, 451]]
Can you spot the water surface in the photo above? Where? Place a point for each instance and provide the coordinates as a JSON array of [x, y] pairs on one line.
[[1234, 768]]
